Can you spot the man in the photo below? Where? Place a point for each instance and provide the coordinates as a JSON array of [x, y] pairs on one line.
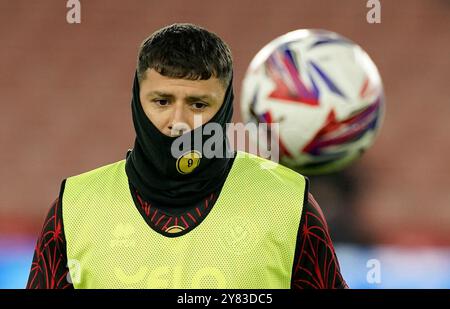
[[157, 220]]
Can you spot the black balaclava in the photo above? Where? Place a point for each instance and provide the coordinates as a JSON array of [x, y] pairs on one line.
[[152, 169]]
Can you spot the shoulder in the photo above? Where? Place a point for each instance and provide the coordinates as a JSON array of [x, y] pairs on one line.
[[98, 174], [84, 186], [249, 165], [101, 169], [253, 163]]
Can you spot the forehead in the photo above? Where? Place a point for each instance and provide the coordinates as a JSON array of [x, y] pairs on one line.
[[154, 81]]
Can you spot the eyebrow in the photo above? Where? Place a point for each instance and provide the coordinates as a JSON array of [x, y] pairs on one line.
[[159, 94], [191, 98], [200, 98]]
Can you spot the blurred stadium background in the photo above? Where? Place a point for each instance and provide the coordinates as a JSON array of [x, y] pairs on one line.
[[65, 108]]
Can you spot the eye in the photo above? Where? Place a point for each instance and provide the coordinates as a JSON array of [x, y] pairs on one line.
[[199, 105], [161, 102]]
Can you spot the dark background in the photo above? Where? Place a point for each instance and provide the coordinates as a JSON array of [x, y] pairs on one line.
[[66, 89]]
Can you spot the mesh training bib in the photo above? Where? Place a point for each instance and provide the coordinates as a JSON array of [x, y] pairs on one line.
[[246, 241]]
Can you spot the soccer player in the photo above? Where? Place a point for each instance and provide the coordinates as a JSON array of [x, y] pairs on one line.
[[155, 220]]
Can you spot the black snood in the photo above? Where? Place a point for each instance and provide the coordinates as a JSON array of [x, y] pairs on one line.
[[157, 174]]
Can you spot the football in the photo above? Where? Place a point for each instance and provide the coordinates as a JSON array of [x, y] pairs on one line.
[[324, 93]]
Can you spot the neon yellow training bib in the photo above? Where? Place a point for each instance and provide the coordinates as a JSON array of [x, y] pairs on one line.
[[247, 241]]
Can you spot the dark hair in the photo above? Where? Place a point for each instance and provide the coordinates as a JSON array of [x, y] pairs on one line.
[[185, 51]]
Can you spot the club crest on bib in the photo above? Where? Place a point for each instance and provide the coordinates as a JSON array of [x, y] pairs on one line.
[[188, 162]]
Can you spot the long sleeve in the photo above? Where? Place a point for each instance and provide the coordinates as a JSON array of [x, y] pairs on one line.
[[49, 267], [315, 263]]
